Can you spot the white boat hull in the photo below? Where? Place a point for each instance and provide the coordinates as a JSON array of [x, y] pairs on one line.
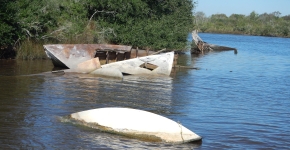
[[160, 64], [137, 123]]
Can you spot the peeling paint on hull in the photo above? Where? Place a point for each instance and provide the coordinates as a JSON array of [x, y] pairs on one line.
[[160, 64], [70, 55]]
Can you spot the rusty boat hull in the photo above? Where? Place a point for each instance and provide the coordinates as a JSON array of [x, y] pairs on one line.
[[120, 58], [69, 55]]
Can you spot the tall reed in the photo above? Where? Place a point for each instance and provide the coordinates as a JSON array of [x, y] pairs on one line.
[[29, 50]]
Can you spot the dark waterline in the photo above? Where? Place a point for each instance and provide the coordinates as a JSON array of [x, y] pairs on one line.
[[233, 101]]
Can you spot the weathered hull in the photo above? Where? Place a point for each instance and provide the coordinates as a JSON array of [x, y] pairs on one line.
[[117, 57], [69, 55], [160, 64], [136, 123]]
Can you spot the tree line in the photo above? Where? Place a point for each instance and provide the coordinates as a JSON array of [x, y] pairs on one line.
[[272, 24], [147, 24]]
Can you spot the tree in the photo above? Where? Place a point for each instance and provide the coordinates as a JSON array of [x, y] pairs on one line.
[[253, 16], [238, 22], [148, 24], [265, 24], [287, 17], [9, 28], [44, 19], [145, 23], [200, 19]]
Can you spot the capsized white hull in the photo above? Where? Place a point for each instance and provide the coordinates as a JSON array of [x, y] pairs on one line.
[[137, 123]]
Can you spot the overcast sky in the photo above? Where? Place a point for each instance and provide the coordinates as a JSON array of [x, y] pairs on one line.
[[244, 7]]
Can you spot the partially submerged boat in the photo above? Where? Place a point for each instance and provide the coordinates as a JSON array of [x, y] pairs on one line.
[[136, 123], [160, 64], [69, 55], [113, 59]]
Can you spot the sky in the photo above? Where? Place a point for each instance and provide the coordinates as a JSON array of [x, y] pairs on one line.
[[244, 7]]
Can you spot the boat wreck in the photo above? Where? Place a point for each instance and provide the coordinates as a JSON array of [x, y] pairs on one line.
[[136, 123], [201, 47], [69, 55], [110, 60], [160, 64]]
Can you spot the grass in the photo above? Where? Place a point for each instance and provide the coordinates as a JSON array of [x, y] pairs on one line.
[[29, 50], [33, 49]]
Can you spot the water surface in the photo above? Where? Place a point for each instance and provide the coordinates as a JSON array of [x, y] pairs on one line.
[[233, 101]]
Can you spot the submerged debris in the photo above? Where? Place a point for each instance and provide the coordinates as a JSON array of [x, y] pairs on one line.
[[202, 47]]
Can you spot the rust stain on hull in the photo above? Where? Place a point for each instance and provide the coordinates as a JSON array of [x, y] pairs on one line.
[[69, 55]]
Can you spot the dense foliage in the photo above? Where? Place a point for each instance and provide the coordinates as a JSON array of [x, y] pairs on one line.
[[9, 29], [254, 24], [151, 24]]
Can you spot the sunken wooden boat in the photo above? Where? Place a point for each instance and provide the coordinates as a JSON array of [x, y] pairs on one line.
[[69, 55], [199, 46], [105, 59], [159, 64]]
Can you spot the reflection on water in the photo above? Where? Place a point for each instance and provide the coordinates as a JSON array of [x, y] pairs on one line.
[[99, 139], [132, 91], [232, 101]]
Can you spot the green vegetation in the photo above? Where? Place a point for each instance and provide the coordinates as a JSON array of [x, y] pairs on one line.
[[25, 25], [254, 24], [8, 25]]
